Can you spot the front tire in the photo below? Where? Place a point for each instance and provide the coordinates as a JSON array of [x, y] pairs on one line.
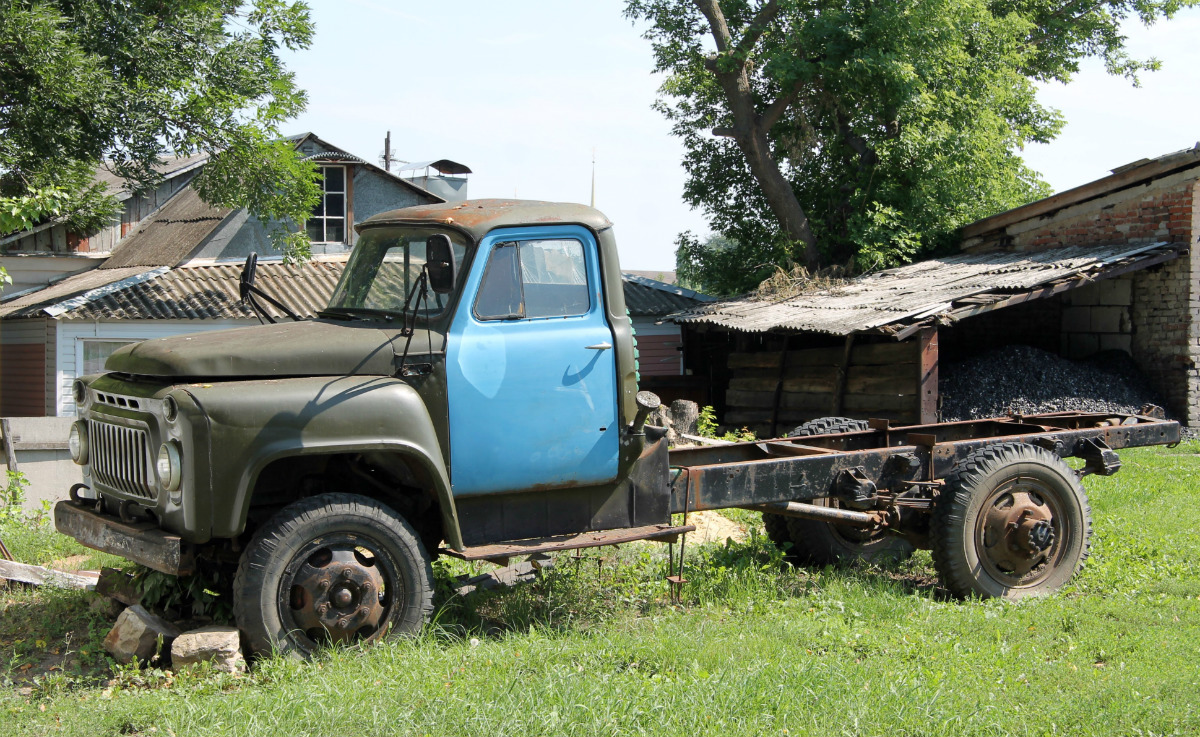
[[1012, 521], [333, 568]]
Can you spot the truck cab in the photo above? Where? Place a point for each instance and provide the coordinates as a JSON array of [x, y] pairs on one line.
[[472, 381]]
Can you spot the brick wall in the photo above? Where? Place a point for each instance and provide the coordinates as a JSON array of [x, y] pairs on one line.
[[1155, 313]]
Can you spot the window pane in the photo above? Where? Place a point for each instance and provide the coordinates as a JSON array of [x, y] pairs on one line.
[[335, 230], [319, 210], [555, 278], [316, 229], [335, 205], [96, 352], [335, 179], [500, 293]]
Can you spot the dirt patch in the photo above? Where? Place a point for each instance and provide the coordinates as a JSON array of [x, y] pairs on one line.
[[714, 527]]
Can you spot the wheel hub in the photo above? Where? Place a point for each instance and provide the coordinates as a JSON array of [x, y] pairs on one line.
[[338, 593], [1018, 532]]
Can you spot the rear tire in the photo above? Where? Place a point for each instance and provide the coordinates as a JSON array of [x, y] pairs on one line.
[[1012, 521], [333, 568], [821, 543]]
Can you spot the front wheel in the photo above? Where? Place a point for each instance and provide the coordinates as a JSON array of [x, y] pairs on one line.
[[333, 568], [1012, 521]]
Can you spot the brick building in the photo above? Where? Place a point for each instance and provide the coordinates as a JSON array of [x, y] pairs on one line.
[[1151, 313]]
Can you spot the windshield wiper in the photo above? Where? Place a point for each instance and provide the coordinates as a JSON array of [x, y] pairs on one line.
[[357, 313]]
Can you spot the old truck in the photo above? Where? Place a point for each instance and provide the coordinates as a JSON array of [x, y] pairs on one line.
[[472, 390]]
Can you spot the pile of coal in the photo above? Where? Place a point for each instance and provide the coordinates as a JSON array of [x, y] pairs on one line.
[[1026, 380]]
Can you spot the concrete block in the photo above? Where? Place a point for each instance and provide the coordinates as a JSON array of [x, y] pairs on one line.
[[136, 634], [1086, 296], [222, 645], [1106, 319], [1115, 291], [1116, 343], [1076, 319]]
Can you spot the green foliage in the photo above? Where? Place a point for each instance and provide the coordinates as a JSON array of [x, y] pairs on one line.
[[706, 426], [12, 496], [87, 81], [894, 123], [206, 593]]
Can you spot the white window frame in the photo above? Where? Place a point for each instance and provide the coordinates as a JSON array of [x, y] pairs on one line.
[[326, 217]]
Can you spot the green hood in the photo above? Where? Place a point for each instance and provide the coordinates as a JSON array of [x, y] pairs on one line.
[[315, 348]]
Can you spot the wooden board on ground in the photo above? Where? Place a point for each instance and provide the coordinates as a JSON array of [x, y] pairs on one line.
[[40, 576]]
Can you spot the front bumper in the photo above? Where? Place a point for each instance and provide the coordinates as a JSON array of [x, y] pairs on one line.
[[141, 543]]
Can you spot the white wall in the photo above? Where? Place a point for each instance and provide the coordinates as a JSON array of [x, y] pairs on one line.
[[72, 333]]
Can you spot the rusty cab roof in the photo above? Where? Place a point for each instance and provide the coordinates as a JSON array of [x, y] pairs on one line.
[[477, 217]]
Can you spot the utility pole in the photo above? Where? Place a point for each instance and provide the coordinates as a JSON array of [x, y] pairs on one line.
[[593, 176], [387, 152]]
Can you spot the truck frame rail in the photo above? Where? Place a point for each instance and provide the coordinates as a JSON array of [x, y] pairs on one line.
[[900, 460]]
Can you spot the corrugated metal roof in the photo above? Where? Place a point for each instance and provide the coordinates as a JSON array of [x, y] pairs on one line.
[[651, 298], [167, 167], [31, 304], [171, 235], [209, 291], [927, 291]]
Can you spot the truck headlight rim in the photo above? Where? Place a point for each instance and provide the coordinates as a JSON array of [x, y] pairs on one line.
[[170, 409], [77, 443], [79, 392], [169, 465]]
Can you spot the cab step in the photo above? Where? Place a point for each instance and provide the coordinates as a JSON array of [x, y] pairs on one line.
[[574, 541]]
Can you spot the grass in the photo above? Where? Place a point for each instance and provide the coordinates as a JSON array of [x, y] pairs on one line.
[[596, 648]]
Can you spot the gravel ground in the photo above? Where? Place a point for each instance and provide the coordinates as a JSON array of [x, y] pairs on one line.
[[1028, 380]]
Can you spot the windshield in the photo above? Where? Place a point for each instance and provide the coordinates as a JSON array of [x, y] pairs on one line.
[[383, 268]]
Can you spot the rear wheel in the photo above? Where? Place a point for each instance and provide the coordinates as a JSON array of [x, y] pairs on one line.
[[821, 543], [1013, 521], [333, 568]]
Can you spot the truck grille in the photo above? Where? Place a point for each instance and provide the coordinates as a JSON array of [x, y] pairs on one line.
[[120, 458]]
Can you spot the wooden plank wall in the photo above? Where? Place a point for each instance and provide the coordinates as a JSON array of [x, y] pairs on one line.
[[886, 380], [23, 368]]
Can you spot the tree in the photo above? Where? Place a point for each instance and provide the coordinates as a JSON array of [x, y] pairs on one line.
[[91, 81], [820, 131]]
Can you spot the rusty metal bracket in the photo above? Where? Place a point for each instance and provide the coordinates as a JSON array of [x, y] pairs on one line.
[[1098, 457], [854, 488]]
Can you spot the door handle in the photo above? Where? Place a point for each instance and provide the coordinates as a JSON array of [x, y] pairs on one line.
[[599, 347]]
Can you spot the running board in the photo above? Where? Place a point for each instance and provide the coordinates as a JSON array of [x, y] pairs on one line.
[[574, 541]]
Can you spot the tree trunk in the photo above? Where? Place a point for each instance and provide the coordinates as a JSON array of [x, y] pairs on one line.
[[779, 193], [750, 126]]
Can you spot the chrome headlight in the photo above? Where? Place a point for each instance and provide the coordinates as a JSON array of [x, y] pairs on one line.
[[77, 443], [169, 466]]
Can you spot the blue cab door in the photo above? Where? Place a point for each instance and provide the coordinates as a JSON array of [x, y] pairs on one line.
[[530, 367]]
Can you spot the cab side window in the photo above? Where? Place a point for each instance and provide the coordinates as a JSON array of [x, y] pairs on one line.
[[542, 278]]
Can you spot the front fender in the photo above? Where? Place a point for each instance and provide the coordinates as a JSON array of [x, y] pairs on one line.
[[254, 423]]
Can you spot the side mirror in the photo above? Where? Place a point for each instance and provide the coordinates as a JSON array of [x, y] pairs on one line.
[[246, 283], [439, 259]]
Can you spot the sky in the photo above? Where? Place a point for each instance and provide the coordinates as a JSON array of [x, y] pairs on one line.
[[524, 92]]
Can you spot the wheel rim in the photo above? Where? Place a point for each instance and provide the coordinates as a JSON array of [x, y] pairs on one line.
[[1021, 533], [339, 589]]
